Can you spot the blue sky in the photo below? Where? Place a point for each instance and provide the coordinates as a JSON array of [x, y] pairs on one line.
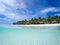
[[15, 10]]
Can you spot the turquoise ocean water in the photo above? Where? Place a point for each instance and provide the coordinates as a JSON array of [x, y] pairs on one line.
[[14, 35]]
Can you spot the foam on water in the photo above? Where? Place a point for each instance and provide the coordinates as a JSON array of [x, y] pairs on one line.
[[12, 35]]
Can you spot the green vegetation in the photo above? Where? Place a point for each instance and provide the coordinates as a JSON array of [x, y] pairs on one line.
[[39, 20]]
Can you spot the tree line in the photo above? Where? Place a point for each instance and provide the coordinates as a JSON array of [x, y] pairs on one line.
[[39, 20]]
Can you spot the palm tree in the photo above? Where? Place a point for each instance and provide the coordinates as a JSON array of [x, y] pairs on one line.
[[49, 18], [57, 18], [39, 20], [31, 21]]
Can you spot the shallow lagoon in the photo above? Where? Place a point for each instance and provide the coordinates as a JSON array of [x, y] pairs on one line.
[[30, 35]]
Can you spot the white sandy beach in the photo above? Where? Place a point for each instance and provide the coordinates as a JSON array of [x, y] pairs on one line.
[[40, 25]]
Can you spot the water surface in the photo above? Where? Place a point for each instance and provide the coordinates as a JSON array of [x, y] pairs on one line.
[[14, 35]]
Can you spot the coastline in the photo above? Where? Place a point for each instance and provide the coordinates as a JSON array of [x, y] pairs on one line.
[[32, 25], [40, 25]]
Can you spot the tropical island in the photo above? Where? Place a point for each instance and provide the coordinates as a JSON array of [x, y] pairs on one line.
[[39, 20]]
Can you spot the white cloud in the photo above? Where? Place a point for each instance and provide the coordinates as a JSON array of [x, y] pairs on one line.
[[11, 5], [9, 2], [8, 9], [51, 9], [23, 5], [2, 8]]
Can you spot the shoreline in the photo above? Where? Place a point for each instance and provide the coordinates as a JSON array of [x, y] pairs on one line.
[[32, 25], [40, 25]]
